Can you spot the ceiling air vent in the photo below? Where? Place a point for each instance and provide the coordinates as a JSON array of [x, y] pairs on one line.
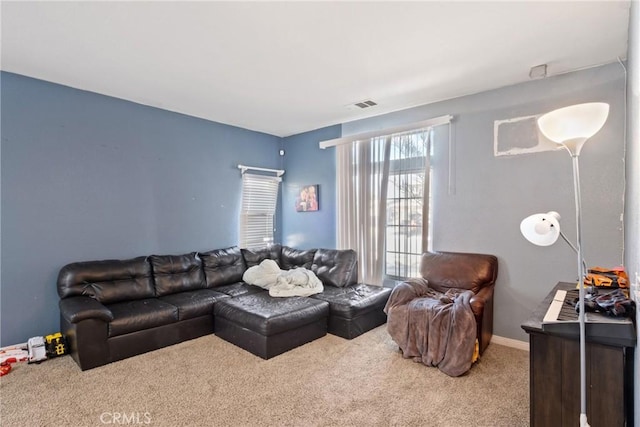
[[365, 104]]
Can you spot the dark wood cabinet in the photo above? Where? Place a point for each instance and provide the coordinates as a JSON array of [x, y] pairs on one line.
[[555, 375]]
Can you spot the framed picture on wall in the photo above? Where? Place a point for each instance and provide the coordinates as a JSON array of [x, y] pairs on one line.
[[307, 199]]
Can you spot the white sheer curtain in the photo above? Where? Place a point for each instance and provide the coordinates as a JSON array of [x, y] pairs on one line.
[[362, 177]]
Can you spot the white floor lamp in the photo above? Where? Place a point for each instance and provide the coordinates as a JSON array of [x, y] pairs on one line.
[[570, 127]]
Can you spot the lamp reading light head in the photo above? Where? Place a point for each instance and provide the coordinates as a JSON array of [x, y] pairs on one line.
[[541, 229]]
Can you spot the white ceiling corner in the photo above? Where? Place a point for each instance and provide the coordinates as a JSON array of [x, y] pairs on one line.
[[289, 67]]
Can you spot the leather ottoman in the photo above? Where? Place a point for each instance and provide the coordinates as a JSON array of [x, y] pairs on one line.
[[268, 326]]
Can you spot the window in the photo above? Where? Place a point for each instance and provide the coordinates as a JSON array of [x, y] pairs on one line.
[[407, 214], [383, 198], [259, 199]]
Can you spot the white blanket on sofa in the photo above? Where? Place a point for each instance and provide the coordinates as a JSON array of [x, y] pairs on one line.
[[283, 283]]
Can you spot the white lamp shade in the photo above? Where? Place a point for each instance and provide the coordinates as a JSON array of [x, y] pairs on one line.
[[541, 229], [580, 121]]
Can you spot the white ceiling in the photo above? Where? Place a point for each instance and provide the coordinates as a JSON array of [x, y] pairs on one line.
[[289, 67]]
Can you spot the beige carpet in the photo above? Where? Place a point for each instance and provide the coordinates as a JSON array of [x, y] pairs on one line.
[[329, 382]]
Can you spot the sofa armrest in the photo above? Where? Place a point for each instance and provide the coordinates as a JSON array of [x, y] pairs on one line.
[[479, 300], [76, 309]]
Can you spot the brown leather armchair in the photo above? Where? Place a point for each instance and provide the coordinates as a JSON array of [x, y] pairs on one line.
[[475, 272], [446, 279]]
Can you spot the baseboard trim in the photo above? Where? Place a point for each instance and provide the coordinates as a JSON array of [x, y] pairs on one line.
[[508, 342]]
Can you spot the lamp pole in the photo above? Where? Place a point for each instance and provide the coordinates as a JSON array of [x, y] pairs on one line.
[[573, 147]]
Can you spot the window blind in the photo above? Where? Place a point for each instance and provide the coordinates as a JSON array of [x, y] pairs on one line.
[[259, 199]]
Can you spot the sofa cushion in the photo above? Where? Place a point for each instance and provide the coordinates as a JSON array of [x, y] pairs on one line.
[[223, 266], [177, 273], [336, 267], [107, 281], [256, 256], [293, 258], [133, 316], [355, 300], [239, 288], [194, 303]]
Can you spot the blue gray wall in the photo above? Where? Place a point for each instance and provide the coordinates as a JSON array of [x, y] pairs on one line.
[[307, 164], [481, 208], [85, 176]]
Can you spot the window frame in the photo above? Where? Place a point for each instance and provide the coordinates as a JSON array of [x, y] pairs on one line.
[[259, 201], [403, 248]]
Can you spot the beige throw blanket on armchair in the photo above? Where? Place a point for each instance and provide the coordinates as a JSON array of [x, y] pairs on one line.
[[431, 327]]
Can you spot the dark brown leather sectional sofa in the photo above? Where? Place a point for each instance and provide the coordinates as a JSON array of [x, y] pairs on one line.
[[114, 309]]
